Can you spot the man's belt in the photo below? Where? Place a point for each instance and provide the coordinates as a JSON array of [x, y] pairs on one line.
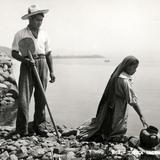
[[37, 56]]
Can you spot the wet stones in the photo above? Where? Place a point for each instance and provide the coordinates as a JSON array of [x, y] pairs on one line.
[[48, 148]]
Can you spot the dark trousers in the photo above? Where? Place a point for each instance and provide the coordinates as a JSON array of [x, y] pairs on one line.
[[28, 82]]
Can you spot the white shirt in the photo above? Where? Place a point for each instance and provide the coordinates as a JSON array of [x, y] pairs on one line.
[[41, 42], [132, 97]]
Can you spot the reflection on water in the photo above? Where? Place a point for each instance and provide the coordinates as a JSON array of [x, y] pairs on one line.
[[79, 85]]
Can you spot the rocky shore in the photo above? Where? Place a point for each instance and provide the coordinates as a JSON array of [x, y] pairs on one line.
[[34, 147]]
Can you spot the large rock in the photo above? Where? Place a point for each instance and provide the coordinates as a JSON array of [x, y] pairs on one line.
[[8, 91]]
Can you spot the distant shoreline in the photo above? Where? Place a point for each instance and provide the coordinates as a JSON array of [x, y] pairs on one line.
[[7, 51], [77, 56], [73, 57]]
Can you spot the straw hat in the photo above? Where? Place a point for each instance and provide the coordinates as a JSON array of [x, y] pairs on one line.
[[33, 10]]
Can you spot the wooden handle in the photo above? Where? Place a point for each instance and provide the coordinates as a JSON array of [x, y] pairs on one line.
[[43, 93]]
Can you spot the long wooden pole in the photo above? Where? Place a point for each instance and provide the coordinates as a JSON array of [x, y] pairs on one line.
[[42, 90]]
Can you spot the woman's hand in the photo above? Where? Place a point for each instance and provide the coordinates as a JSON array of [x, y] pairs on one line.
[[143, 121]]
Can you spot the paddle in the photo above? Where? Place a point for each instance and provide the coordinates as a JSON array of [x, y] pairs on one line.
[[27, 46]]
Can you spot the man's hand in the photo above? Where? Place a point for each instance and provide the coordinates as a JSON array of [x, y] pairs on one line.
[[52, 78], [27, 61], [17, 56]]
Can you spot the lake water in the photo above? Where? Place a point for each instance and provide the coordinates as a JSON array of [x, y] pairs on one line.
[[80, 83]]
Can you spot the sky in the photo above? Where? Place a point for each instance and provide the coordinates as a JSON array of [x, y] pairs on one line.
[[105, 27]]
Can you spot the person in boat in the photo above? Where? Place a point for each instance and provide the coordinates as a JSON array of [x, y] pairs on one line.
[[110, 123], [27, 80]]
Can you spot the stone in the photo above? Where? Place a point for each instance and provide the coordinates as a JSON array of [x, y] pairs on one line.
[[67, 150], [24, 149], [70, 155], [23, 142], [58, 150], [13, 157], [3, 85], [40, 151], [4, 155], [68, 133], [30, 158], [21, 155], [11, 148], [45, 157], [95, 154]]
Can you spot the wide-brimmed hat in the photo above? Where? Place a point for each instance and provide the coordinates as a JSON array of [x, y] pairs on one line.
[[33, 10]]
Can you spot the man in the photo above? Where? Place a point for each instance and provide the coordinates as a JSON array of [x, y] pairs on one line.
[[27, 80]]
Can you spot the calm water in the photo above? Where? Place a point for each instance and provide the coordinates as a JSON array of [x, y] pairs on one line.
[[79, 85]]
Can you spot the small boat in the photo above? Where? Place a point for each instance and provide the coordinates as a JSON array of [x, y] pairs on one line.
[[106, 60]]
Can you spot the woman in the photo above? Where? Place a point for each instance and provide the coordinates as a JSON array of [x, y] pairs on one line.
[[110, 123]]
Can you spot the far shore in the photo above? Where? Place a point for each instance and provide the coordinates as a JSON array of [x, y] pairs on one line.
[[7, 51], [78, 56]]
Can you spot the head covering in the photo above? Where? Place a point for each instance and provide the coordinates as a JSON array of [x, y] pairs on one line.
[[108, 94], [33, 10]]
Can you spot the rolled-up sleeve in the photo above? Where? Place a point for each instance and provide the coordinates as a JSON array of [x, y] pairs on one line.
[[130, 94], [47, 45], [15, 42]]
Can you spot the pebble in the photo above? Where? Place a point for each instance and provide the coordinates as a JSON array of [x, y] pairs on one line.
[[13, 157]]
